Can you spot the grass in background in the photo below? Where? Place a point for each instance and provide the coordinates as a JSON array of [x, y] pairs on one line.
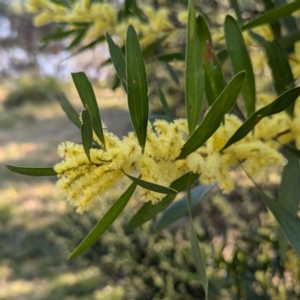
[[34, 90]]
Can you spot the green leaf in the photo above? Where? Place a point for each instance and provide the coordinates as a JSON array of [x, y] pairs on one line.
[[148, 211], [214, 116], [172, 73], [78, 38], [153, 47], [171, 57], [273, 15], [281, 71], [235, 6], [289, 22], [152, 186], [240, 60], [289, 192], [179, 208], [70, 111], [196, 252], [222, 56], [88, 99], [118, 60], [214, 83], [137, 86], [288, 222], [290, 39], [294, 151], [132, 9], [105, 222], [60, 2], [194, 74], [275, 26], [88, 46], [283, 244], [58, 34], [32, 171], [165, 104], [278, 105], [87, 133]]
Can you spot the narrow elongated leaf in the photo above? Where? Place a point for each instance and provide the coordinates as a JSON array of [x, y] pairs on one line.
[[165, 104], [282, 243], [132, 9], [105, 222], [177, 56], [88, 46], [88, 99], [290, 39], [222, 55], [240, 60], [273, 15], [136, 86], [58, 34], [87, 133], [234, 4], [152, 186], [281, 71], [294, 151], [32, 171], [289, 190], [196, 252], [194, 74], [118, 60], [180, 208], [214, 83], [148, 211], [78, 38], [288, 222], [275, 26], [172, 73], [153, 47], [289, 193], [214, 116], [289, 22], [281, 103], [70, 111]]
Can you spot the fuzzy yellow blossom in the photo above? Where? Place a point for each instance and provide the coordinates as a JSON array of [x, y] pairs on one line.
[[264, 31], [182, 16], [158, 164], [102, 18], [81, 180]]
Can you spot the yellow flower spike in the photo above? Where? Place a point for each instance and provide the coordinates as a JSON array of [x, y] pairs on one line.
[[295, 129], [195, 163], [297, 108], [212, 164], [42, 19], [86, 4], [225, 182], [182, 16], [149, 12], [297, 51], [162, 22]]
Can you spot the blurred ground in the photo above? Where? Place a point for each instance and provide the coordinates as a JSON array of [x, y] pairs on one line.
[[38, 229], [29, 206]]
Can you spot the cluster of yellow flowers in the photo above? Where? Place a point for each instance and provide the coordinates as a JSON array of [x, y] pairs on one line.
[[81, 180], [103, 18]]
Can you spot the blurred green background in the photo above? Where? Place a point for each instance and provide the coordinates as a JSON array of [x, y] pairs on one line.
[[38, 229]]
